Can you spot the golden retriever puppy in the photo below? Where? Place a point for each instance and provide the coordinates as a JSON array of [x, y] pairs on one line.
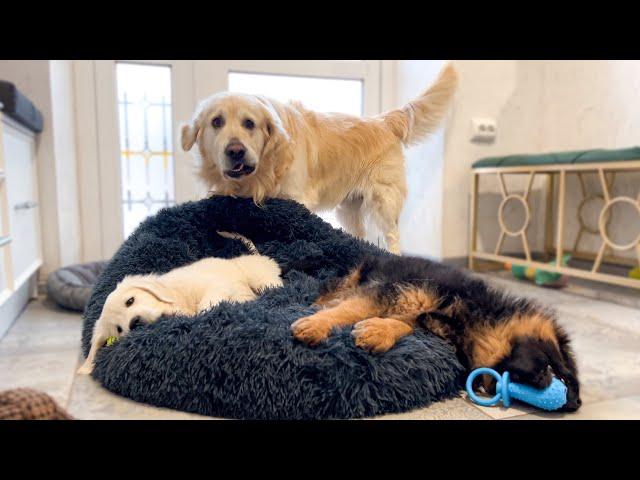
[[251, 146], [141, 299]]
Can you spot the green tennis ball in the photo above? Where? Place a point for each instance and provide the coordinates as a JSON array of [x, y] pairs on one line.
[[111, 341]]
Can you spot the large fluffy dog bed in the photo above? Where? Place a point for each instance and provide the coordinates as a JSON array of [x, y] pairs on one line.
[[240, 360]]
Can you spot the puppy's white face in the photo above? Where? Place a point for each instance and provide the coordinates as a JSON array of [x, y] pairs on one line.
[[129, 307], [232, 132], [136, 301]]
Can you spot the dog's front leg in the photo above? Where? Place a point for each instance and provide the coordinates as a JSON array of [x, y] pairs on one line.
[[317, 327], [380, 334]]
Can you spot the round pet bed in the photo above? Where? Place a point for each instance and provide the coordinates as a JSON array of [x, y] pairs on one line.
[[240, 360], [71, 286]]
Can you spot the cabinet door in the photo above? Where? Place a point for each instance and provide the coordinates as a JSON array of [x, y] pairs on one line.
[[21, 184], [4, 245]]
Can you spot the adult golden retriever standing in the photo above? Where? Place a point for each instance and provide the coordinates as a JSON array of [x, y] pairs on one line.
[[252, 146]]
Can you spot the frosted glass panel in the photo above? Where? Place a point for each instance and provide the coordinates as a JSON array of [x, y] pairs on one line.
[[319, 94], [146, 145]]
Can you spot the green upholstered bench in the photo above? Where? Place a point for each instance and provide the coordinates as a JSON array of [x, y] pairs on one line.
[[603, 163], [562, 158]]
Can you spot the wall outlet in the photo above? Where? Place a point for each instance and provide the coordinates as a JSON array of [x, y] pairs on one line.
[[483, 130]]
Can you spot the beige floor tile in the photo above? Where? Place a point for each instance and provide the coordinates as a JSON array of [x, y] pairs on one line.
[[620, 409], [43, 327], [499, 412], [453, 409], [51, 372], [90, 401]]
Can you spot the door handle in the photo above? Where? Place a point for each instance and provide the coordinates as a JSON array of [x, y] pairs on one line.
[[25, 205], [4, 241]]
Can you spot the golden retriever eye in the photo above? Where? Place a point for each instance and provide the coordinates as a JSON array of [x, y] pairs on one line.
[[129, 302], [248, 124], [217, 122], [119, 328]]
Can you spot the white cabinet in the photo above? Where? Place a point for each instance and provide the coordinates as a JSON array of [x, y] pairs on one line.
[[20, 244]]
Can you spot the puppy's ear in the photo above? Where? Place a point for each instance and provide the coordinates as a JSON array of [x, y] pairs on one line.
[[98, 339], [189, 134], [155, 287]]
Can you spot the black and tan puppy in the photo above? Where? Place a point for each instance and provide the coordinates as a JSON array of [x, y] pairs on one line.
[[386, 298]]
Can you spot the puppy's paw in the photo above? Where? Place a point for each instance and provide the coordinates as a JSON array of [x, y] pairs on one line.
[[375, 334], [311, 330], [85, 369]]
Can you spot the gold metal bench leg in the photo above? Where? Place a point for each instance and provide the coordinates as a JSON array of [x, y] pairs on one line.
[[548, 222], [560, 228], [473, 224]]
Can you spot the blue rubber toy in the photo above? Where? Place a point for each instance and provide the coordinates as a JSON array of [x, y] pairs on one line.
[[551, 398]]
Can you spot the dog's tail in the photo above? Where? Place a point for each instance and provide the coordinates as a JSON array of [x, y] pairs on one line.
[[420, 117], [236, 236]]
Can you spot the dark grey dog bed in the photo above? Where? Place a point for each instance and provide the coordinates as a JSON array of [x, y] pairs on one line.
[[240, 360], [71, 286]]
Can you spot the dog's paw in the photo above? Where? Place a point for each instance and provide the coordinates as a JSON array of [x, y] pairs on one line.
[[85, 369], [311, 330], [374, 334]]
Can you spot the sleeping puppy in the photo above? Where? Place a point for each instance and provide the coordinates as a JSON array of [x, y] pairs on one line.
[[386, 298], [252, 146], [141, 299]]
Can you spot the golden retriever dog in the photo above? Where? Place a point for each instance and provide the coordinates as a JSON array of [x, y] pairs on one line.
[[141, 299], [252, 146]]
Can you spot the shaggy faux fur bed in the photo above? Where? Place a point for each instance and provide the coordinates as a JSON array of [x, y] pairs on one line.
[[240, 360]]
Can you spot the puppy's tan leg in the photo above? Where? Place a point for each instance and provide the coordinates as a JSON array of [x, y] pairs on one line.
[[379, 334], [317, 327], [349, 214]]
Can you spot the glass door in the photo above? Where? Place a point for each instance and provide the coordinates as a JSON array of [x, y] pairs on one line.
[[139, 106]]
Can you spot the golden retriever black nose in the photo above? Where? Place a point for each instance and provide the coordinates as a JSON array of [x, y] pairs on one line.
[[235, 151]]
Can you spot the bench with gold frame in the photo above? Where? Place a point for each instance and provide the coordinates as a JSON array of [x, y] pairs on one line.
[[606, 164]]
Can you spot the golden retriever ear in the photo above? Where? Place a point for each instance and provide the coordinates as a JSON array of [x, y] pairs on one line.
[[189, 134], [277, 134], [155, 287]]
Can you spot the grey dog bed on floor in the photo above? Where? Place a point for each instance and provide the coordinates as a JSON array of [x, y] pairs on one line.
[[240, 360], [71, 286]]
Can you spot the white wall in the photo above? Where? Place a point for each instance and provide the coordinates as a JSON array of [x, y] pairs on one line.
[[421, 219]]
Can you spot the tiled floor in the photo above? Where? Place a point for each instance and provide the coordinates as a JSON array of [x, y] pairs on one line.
[[41, 350]]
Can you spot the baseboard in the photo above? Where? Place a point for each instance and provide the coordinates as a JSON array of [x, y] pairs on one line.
[[458, 262]]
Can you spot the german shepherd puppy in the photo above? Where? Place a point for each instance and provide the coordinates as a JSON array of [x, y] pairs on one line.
[[385, 298]]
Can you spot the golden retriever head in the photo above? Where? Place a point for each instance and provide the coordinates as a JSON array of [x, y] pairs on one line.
[[137, 300], [239, 137]]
